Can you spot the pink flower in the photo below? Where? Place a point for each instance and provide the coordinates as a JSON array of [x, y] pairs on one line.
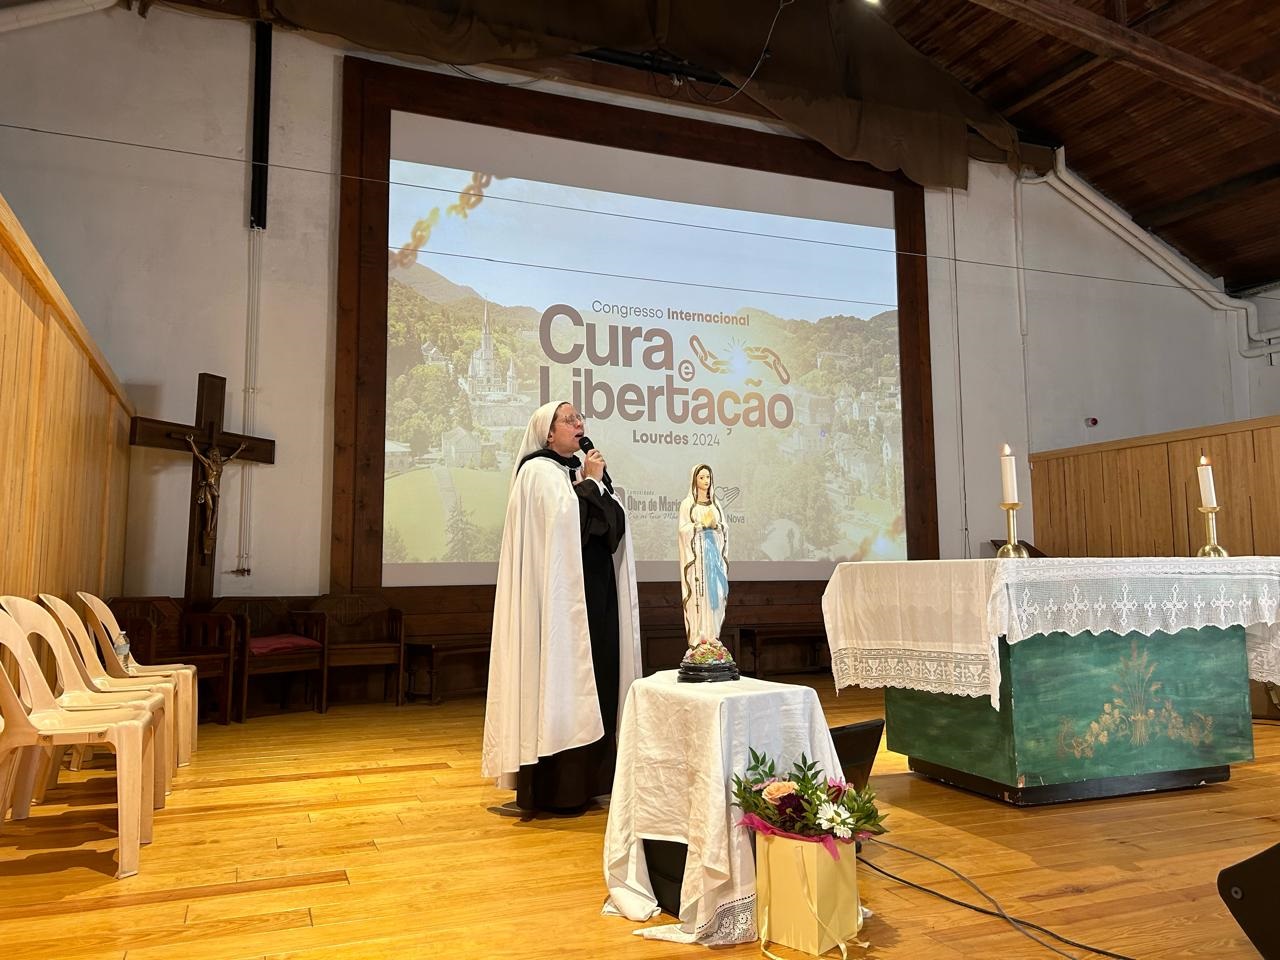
[[757, 787], [777, 790], [836, 789]]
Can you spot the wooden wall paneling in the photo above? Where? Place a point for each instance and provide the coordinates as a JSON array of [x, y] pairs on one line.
[[21, 314], [1094, 507], [62, 467], [1144, 499], [96, 478], [1264, 495], [116, 499], [1235, 523], [33, 496], [53, 473], [1232, 457], [1121, 503], [1184, 496], [1152, 464], [1076, 510], [1142, 514], [1046, 506], [1062, 513]]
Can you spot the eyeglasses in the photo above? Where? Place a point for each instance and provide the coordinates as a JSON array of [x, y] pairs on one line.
[[572, 420]]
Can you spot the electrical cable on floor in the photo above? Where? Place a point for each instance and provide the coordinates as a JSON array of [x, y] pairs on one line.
[[1016, 922]]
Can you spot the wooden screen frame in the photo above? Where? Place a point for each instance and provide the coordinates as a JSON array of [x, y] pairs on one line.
[[371, 91]]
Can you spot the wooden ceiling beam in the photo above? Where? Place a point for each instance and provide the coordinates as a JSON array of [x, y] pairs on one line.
[[1081, 65], [1206, 199], [1135, 45], [1154, 23]]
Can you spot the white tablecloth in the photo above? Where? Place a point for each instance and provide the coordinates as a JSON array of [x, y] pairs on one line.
[[935, 625], [678, 748]]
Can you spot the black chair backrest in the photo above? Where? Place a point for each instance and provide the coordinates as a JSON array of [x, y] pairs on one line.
[[856, 746]]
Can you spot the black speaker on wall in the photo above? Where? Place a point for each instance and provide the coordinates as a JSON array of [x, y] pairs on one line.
[[1249, 889]]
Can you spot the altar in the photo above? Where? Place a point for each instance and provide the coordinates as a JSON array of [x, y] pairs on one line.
[[1041, 680], [679, 746]]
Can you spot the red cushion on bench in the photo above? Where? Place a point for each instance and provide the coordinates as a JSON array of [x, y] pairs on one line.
[[281, 643]]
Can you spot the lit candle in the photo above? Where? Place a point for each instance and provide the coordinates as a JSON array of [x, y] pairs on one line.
[[1207, 497], [1008, 475]]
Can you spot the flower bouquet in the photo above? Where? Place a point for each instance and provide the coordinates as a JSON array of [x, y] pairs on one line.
[[804, 898], [805, 805]]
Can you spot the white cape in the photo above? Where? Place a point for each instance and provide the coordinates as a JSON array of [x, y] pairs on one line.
[[542, 690]]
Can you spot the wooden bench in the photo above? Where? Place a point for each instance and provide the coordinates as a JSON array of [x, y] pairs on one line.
[[810, 634], [278, 636], [161, 630], [435, 652]]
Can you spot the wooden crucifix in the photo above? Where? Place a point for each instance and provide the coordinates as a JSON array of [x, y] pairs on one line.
[[211, 449]]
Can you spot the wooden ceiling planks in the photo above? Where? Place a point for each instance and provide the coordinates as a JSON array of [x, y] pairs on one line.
[[1239, 236], [1145, 143]]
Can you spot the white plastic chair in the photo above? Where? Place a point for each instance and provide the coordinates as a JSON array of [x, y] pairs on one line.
[[105, 629], [80, 693], [179, 721], [47, 728], [75, 697]]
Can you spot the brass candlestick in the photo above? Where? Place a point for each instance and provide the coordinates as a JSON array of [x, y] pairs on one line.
[[1012, 548], [1211, 548]]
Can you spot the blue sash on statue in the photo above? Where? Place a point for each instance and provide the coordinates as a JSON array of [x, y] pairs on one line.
[[717, 579]]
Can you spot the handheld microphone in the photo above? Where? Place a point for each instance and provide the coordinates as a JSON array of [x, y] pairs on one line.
[[586, 446]]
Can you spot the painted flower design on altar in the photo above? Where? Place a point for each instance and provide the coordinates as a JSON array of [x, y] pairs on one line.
[[1130, 716]]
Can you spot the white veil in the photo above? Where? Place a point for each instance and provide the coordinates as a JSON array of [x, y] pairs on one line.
[[535, 434]]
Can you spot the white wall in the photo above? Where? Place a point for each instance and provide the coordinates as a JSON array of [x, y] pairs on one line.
[[152, 249], [1264, 378]]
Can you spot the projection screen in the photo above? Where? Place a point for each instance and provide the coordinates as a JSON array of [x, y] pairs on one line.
[[694, 313]]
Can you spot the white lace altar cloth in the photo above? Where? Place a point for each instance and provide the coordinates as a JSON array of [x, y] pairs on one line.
[[935, 625], [679, 746]]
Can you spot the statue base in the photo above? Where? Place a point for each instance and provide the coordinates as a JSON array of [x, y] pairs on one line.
[[707, 662], [708, 672]]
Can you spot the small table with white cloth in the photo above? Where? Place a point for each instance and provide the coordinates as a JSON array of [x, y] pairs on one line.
[[679, 746], [1038, 680]]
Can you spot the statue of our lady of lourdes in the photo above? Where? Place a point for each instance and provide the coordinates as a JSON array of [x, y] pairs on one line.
[[704, 580]]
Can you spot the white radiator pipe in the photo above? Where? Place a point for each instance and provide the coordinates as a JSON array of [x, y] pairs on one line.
[[47, 11], [1252, 341]]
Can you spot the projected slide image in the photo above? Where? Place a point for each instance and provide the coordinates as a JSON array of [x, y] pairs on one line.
[[764, 345]]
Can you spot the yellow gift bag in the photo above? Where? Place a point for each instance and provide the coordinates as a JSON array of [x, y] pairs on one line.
[[805, 898]]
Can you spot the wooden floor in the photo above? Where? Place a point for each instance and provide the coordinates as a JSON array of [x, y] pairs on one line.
[[364, 834]]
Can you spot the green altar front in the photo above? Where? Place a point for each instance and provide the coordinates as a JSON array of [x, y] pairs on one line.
[[1084, 716]]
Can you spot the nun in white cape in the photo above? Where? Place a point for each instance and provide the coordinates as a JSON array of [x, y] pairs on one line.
[[566, 633]]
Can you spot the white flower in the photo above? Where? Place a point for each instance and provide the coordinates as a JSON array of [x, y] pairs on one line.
[[836, 819], [828, 815]]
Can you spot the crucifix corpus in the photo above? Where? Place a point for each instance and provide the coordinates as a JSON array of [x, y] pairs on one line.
[[212, 449]]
